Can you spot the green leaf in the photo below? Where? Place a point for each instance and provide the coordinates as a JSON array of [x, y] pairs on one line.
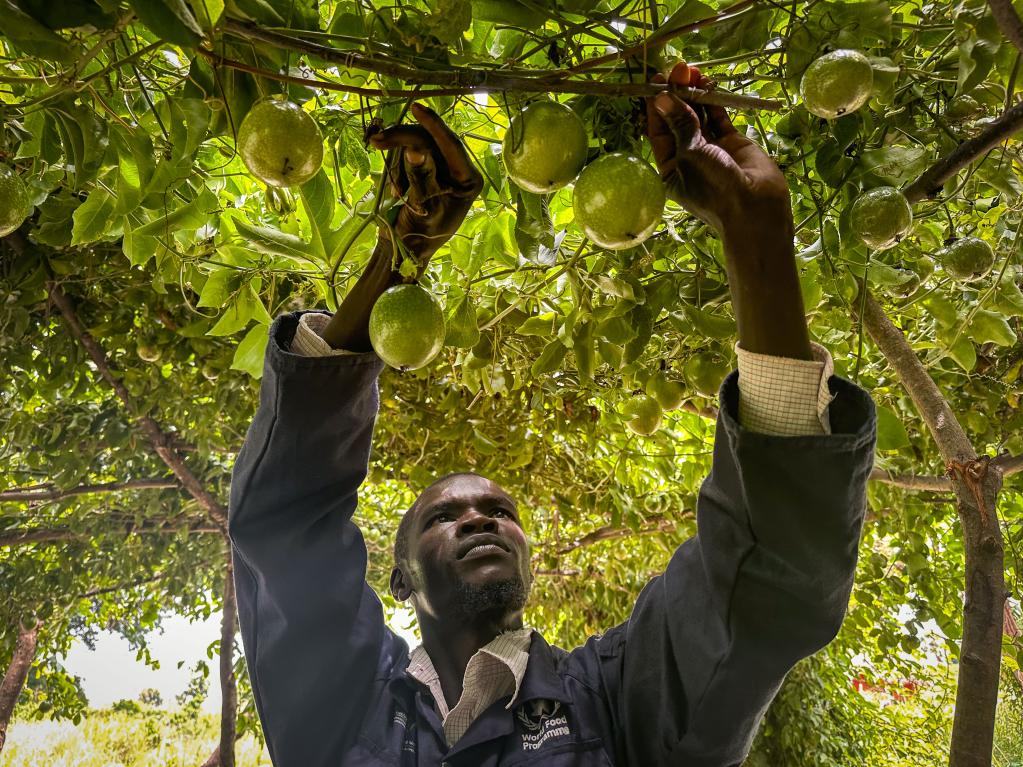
[[894, 165], [583, 347], [69, 14], [449, 19], [1008, 298], [534, 230], [208, 13], [91, 217], [942, 310], [220, 284], [138, 249], [539, 325], [260, 11], [462, 330], [710, 325], [246, 306], [990, 327], [979, 40], [248, 357], [642, 323], [616, 329], [28, 35], [169, 20], [551, 356], [84, 137], [189, 216], [274, 242], [317, 196], [891, 432], [964, 353]]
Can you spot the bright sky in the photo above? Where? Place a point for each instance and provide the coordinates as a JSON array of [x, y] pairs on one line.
[[111, 673]]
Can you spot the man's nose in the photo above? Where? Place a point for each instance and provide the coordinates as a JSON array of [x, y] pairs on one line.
[[474, 522]]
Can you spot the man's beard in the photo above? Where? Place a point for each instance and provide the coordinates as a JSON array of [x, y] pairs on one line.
[[474, 600]]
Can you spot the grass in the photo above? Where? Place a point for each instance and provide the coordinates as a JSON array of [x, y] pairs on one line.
[[152, 738]]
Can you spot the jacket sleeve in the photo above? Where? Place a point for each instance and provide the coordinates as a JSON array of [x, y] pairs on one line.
[[312, 628], [764, 583]]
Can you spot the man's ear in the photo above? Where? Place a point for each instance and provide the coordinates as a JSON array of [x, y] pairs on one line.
[[401, 588]]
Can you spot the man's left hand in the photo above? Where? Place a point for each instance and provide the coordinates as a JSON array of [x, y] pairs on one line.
[[708, 167]]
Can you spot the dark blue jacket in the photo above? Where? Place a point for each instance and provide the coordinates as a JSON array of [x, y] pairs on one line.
[[683, 682]]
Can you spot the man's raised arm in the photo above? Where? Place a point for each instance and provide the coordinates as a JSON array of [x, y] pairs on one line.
[[312, 628], [766, 580]]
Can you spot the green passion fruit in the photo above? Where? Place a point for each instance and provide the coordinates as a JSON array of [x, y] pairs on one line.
[[280, 143], [618, 200], [406, 327], [545, 147], [837, 83]]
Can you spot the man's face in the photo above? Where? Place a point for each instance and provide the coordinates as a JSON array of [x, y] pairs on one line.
[[467, 550]]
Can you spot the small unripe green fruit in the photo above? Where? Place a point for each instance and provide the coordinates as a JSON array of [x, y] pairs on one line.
[[642, 414], [668, 393], [705, 373], [881, 217], [968, 258], [148, 352], [15, 206]]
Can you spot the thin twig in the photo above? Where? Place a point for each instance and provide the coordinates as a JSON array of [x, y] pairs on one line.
[[49, 492]]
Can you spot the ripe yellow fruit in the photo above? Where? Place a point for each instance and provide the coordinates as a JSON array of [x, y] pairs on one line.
[[406, 327], [15, 206], [618, 200], [837, 83], [642, 414], [280, 143], [545, 147], [881, 217], [968, 258]]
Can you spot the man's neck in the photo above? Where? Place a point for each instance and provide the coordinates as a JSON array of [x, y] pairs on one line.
[[451, 645]]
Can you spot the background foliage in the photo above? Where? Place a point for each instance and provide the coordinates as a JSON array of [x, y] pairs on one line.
[[121, 118]]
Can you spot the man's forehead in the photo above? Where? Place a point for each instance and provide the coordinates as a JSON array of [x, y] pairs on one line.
[[463, 488]]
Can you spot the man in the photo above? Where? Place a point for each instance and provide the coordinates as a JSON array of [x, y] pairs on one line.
[[685, 680]]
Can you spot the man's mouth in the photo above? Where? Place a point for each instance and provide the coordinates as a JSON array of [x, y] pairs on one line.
[[482, 546]]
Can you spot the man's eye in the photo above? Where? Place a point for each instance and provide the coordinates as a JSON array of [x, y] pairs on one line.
[[503, 512]]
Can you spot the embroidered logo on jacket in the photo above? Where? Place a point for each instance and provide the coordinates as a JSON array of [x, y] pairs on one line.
[[541, 720]]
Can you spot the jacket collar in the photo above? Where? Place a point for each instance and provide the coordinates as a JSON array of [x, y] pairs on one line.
[[542, 680]]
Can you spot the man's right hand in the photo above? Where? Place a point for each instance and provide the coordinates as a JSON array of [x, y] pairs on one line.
[[432, 172]]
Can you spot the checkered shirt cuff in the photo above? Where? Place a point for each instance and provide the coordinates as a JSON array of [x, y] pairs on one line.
[[308, 340], [784, 396]]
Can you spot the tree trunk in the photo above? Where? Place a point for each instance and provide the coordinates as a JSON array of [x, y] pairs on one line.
[[976, 488], [228, 686], [976, 483], [17, 673]]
